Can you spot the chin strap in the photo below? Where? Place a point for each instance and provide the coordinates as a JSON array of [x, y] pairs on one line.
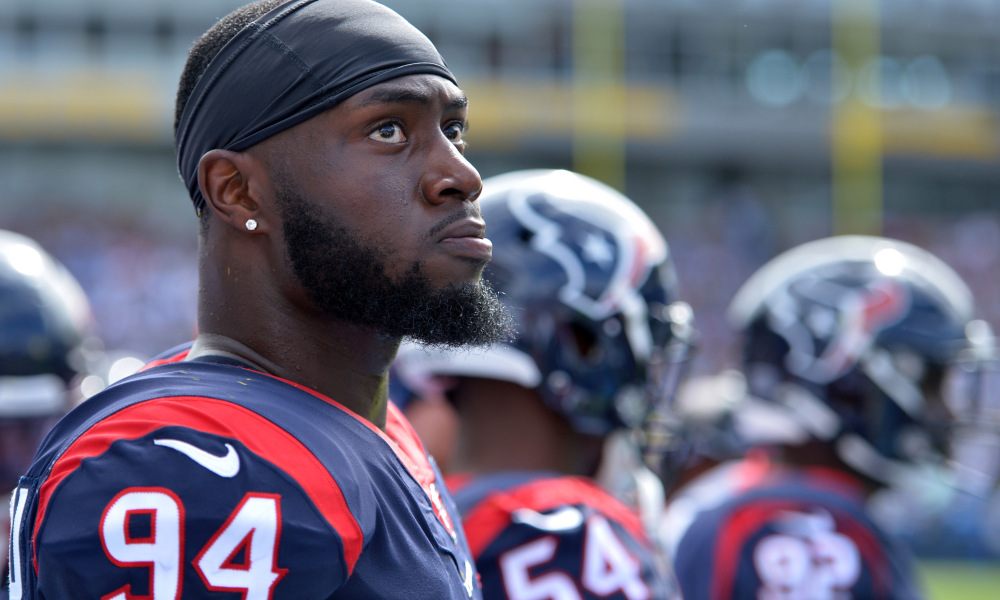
[[625, 476]]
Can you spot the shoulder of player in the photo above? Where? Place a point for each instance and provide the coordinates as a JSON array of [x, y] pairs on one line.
[[833, 491], [152, 421], [493, 503], [194, 486], [202, 395], [188, 448], [790, 515], [776, 505], [563, 529], [511, 490]]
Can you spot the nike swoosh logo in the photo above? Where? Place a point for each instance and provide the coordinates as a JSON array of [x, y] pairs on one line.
[[467, 578], [223, 466], [566, 518]]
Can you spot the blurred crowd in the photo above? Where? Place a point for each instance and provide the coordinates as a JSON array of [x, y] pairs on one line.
[[141, 280]]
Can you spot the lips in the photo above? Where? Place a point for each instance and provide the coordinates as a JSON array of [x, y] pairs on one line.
[[467, 239], [471, 227]]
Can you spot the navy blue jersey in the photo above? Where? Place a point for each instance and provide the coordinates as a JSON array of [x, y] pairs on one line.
[[543, 536], [800, 534], [204, 480]]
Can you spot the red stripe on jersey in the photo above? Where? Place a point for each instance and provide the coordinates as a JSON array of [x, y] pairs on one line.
[[734, 533], [457, 481], [411, 453], [399, 434], [163, 361], [491, 516], [407, 445], [220, 418], [872, 554]]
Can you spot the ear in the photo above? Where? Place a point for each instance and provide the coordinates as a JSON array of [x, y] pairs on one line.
[[224, 179]]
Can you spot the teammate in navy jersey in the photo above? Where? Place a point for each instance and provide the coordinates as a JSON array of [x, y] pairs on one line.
[[602, 338], [48, 341], [321, 142], [853, 349]]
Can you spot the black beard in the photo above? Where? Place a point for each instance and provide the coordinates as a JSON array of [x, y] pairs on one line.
[[345, 278]]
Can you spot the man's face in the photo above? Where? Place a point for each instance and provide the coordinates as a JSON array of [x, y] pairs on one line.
[[380, 217]]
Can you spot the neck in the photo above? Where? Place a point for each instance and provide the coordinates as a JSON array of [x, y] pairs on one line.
[[505, 427], [823, 455], [349, 367], [248, 313]]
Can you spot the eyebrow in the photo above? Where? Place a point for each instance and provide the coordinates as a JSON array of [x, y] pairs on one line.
[[398, 96]]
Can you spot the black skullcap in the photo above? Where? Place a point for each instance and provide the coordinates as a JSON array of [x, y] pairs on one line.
[[291, 64]]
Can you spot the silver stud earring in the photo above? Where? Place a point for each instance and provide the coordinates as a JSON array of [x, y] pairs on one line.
[[251, 224]]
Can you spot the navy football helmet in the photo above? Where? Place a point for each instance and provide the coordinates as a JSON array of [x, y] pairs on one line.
[[854, 339], [589, 281], [46, 332]]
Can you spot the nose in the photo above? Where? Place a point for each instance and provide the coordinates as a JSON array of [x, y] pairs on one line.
[[450, 176]]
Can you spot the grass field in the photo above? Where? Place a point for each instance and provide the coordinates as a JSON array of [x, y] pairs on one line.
[[962, 580]]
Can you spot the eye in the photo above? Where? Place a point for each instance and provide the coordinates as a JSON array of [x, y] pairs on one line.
[[455, 131], [389, 133]]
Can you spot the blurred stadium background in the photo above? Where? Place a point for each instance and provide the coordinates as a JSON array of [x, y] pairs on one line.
[[743, 127]]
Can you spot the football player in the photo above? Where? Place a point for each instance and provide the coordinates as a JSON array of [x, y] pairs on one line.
[[602, 338], [48, 338], [848, 345], [321, 142], [695, 447]]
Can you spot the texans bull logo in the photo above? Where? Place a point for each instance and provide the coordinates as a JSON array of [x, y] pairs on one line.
[[605, 258], [840, 325]]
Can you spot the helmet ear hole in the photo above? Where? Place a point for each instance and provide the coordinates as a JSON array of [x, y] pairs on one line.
[[584, 341]]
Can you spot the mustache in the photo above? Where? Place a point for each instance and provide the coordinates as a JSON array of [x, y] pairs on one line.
[[469, 211]]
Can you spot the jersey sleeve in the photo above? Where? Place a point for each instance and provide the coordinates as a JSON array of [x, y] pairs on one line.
[[180, 512]]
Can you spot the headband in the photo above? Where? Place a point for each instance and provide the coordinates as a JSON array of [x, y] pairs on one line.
[[291, 64]]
